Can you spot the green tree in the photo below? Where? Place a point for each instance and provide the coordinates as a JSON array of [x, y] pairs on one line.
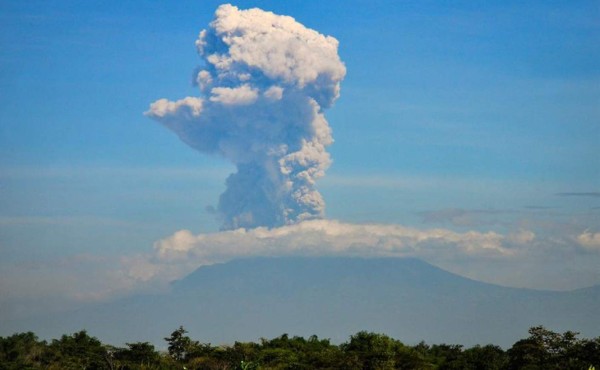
[[79, 351], [139, 354], [370, 351], [242, 352], [179, 344], [588, 351], [488, 357], [407, 358], [545, 349], [22, 351], [448, 356]]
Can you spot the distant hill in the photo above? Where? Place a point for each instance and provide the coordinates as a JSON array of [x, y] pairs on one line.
[[332, 297]]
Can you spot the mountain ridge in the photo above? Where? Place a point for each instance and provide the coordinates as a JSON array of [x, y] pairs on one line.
[[333, 297]]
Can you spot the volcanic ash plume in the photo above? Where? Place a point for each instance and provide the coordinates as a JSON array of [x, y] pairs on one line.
[[265, 82]]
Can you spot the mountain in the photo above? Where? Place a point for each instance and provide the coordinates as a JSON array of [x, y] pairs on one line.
[[407, 299]]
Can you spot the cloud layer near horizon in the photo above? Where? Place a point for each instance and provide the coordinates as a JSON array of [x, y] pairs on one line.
[[519, 258], [265, 84], [511, 258], [182, 252]]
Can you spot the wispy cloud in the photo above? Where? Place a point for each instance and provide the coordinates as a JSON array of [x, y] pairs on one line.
[[589, 240], [593, 194], [73, 172], [464, 217], [65, 220]]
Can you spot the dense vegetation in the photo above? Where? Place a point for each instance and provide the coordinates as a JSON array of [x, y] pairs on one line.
[[543, 349]]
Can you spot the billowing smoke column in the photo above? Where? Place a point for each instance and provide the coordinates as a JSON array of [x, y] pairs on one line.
[[265, 83]]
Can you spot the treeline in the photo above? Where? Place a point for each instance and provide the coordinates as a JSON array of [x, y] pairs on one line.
[[543, 349]]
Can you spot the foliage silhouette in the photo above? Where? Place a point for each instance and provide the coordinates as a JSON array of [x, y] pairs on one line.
[[542, 349]]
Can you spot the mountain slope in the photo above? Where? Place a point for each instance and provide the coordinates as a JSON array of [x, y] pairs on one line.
[[334, 298]]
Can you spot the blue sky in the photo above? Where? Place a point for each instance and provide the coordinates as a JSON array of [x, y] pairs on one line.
[[466, 116]]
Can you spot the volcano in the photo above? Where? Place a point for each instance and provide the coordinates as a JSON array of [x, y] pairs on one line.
[[334, 298]]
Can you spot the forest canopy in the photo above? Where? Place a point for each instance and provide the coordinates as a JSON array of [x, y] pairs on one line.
[[542, 349]]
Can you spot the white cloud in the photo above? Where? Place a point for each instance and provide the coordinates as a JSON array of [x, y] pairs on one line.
[[277, 46], [183, 251], [589, 240], [242, 95], [521, 237], [274, 93], [266, 82], [188, 107]]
